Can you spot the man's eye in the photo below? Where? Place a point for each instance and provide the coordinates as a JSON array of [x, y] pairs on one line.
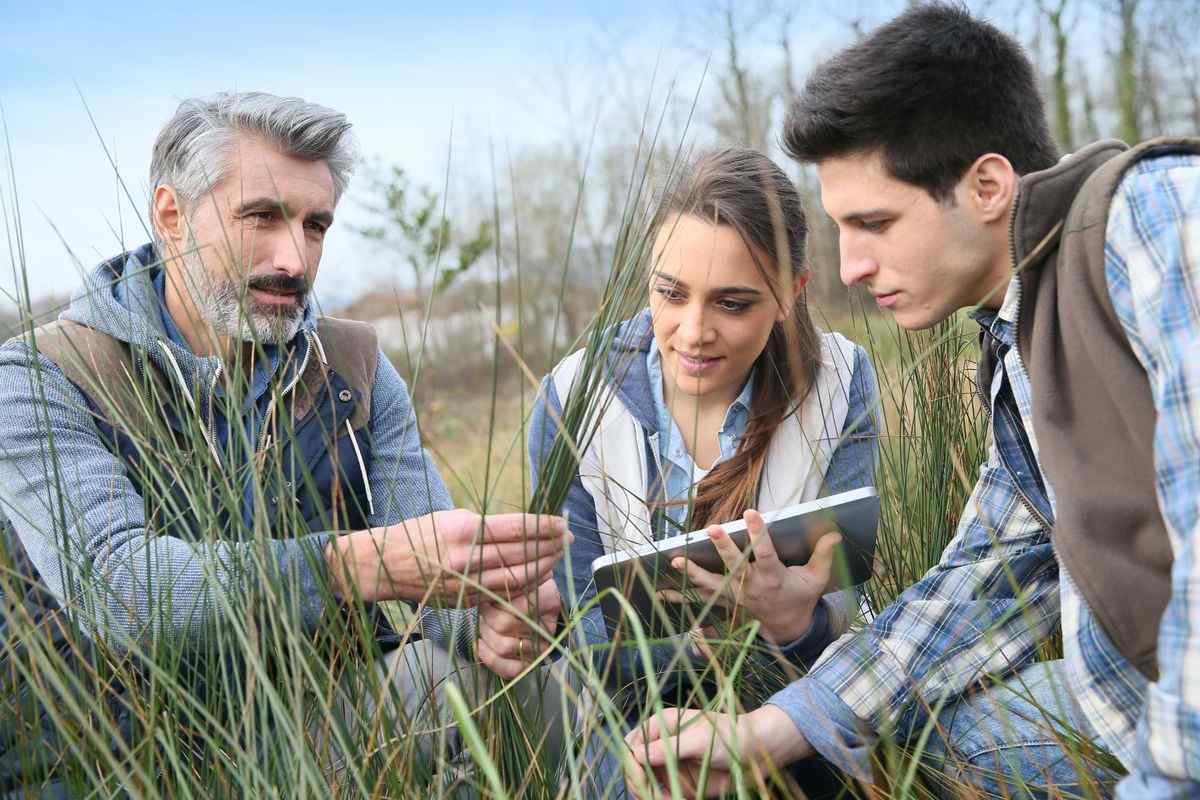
[[317, 228], [874, 225]]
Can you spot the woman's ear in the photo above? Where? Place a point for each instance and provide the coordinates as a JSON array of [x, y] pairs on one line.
[[799, 282]]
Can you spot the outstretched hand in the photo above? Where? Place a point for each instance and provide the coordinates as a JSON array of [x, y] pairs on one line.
[[764, 739], [448, 556], [781, 598]]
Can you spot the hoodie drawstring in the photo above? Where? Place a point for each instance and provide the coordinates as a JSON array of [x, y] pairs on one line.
[[362, 465], [315, 342], [178, 375], [362, 468]]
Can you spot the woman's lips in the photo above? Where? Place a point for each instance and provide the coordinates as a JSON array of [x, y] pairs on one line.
[[696, 365]]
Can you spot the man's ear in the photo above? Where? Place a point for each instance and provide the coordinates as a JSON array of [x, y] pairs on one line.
[[989, 187], [169, 221]]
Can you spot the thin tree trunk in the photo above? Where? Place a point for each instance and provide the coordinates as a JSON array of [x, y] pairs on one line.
[[1063, 127], [1127, 61], [785, 44], [737, 73], [1152, 89], [1091, 128]]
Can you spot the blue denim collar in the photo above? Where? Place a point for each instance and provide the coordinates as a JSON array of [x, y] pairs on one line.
[[263, 371], [676, 463]]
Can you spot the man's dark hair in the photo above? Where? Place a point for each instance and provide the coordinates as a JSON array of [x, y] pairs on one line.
[[931, 91]]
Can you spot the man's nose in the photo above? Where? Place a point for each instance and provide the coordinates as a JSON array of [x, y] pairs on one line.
[[855, 266], [287, 253]]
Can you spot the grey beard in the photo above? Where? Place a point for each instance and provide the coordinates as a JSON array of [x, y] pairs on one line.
[[227, 308]]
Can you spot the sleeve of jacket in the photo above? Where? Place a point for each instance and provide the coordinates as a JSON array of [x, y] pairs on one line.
[[1152, 265], [406, 484], [404, 481], [851, 467], [82, 523], [985, 607], [573, 574]]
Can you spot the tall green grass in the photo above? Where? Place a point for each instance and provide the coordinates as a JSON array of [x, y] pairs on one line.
[[264, 708]]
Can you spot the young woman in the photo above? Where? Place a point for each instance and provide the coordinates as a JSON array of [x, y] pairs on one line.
[[725, 398]]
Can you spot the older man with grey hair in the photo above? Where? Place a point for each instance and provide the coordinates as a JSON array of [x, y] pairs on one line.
[[190, 453]]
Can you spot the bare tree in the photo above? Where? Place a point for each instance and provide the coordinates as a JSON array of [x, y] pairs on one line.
[[1128, 108], [1091, 127], [1170, 65], [1063, 126], [747, 97]]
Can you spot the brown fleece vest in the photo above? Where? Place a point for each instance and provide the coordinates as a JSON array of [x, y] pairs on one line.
[[106, 370], [1093, 412]]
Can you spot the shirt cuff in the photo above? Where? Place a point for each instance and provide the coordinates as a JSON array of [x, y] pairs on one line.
[[829, 726], [1142, 786], [453, 629], [814, 641], [313, 589]]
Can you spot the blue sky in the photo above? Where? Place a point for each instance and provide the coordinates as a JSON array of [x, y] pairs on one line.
[[403, 72]]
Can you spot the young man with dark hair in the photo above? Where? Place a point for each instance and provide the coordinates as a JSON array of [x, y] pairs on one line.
[[936, 162]]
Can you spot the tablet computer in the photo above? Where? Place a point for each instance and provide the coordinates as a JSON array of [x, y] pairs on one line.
[[637, 573]]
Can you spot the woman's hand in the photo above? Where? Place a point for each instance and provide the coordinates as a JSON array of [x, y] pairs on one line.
[[781, 598]]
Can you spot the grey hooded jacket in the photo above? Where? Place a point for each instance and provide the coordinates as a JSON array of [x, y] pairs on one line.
[[61, 486]]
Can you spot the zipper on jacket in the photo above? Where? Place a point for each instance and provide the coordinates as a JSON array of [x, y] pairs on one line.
[[983, 395], [211, 430], [264, 436], [1016, 350], [1025, 501], [183, 387]]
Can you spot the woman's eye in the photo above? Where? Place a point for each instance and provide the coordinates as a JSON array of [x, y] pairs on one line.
[[733, 306], [669, 293]]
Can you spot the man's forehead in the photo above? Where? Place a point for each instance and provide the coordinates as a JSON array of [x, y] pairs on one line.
[[255, 168], [851, 168], [855, 182]]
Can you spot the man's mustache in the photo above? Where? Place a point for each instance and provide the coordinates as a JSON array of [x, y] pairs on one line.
[[280, 284]]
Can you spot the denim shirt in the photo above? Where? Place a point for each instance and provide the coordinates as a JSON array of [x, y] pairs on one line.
[[676, 467], [259, 381]]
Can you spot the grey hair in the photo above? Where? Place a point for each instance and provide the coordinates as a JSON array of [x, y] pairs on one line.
[[192, 150]]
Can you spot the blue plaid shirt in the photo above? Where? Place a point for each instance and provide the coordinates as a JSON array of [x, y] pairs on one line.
[[997, 591]]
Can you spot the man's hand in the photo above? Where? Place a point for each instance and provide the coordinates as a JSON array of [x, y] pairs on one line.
[[782, 598], [447, 556], [507, 643], [765, 738]]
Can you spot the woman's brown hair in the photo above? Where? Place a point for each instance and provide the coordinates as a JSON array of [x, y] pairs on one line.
[[745, 190]]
